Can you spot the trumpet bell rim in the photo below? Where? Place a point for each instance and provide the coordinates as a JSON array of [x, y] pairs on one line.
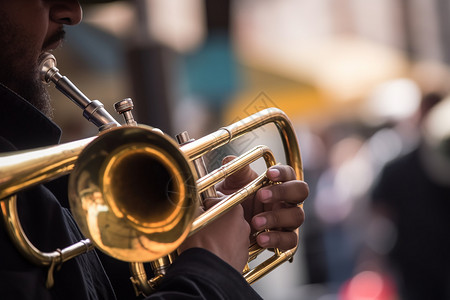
[[135, 201]]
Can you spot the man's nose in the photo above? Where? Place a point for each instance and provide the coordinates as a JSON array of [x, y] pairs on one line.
[[67, 12]]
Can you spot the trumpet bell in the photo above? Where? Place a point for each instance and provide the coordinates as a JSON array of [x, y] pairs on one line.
[[128, 212]]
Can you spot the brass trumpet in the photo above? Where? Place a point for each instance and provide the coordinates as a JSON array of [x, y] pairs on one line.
[[109, 185]]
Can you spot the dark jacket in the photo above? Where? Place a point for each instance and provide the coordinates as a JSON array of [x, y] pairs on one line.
[[418, 207]]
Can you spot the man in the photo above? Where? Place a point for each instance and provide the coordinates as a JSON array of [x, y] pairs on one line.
[[210, 262], [412, 195]]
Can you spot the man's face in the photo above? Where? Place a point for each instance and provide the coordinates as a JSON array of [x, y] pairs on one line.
[[27, 29]]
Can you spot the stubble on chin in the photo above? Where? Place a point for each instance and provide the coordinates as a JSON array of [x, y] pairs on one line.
[[38, 95], [32, 89]]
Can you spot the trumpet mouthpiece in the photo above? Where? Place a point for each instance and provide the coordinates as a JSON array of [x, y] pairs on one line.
[[47, 67]]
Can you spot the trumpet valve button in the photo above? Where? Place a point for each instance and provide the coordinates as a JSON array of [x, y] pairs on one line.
[[124, 107]]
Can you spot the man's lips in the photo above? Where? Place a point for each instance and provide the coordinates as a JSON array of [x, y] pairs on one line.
[[54, 41], [53, 45]]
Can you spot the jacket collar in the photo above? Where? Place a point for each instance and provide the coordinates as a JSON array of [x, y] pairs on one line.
[[23, 125]]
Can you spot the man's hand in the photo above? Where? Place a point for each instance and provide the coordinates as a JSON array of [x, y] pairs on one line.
[[227, 237], [273, 207]]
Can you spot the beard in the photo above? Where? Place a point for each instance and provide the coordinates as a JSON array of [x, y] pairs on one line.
[[31, 88], [19, 66]]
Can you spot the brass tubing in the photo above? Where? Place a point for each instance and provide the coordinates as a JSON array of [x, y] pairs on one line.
[[229, 133], [9, 211], [139, 279], [21, 170], [254, 250], [235, 165], [226, 204], [268, 265], [23, 244], [26, 169]]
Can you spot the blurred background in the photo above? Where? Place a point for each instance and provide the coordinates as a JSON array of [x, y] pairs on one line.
[[363, 83]]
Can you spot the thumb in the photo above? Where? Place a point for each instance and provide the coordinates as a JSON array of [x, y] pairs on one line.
[[236, 180]]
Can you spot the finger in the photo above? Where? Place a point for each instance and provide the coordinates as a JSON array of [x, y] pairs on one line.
[[286, 218], [277, 239], [281, 173], [238, 179], [292, 192]]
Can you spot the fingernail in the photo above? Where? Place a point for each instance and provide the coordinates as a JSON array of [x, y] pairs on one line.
[[265, 195], [263, 239], [260, 222], [273, 173]]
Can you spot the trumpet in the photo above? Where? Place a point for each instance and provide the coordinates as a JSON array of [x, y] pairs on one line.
[[110, 184]]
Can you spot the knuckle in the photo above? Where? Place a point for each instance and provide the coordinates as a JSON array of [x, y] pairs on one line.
[[291, 240], [273, 219], [275, 238], [299, 216], [280, 190]]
